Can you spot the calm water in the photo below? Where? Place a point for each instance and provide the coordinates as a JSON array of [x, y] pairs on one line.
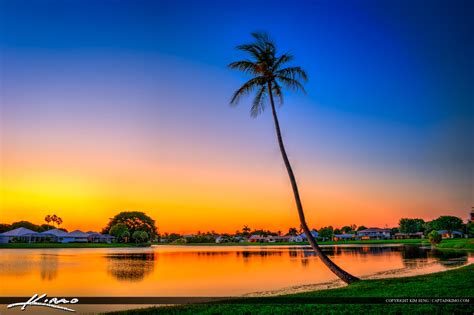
[[200, 270]]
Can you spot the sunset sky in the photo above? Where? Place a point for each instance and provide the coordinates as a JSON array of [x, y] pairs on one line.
[[109, 106]]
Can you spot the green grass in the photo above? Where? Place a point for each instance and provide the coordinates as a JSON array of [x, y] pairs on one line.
[[457, 243], [70, 245], [453, 283]]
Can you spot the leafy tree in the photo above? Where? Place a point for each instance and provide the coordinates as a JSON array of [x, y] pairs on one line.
[[246, 230], [292, 231], [434, 237], [47, 227], [448, 223], [53, 219], [140, 236], [469, 228], [347, 229], [135, 221], [326, 233], [360, 228], [26, 225], [395, 230], [270, 75], [5, 227], [411, 225], [120, 231], [337, 231]]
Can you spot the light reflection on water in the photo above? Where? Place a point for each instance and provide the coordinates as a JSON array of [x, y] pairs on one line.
[[200, 270]]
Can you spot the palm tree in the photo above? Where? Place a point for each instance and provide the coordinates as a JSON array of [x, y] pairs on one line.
[[269, 77]]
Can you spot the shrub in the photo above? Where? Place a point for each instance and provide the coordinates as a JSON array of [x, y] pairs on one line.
[[434, 237]]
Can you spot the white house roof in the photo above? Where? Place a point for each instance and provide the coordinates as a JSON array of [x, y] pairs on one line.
[[313, 232], [371, 230], [19, 232], [77, 233], [55, 232], [344, 235]]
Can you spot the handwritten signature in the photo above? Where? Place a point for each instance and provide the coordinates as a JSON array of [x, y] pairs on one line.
[[41, 300]]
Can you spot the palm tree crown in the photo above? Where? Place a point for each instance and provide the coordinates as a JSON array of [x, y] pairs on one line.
[[268, 72]]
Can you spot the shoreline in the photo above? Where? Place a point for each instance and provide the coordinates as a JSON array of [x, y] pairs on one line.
[[335, 284], [446, 284]]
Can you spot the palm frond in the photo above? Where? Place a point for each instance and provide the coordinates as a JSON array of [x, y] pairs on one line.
[[246, 89], [276, 89], [282, 60], [295, 73], [290, 83], [246, 66], [254, 50], [258, 104]]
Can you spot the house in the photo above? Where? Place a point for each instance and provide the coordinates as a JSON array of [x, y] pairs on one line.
[[222, 239], [452, 234], [295, 239], [343, 237], [256, 238], [374, 234], [95, 237], [314, 233], [400, 236], [58, 236], [20, 234], [78, 236], [277, 239]]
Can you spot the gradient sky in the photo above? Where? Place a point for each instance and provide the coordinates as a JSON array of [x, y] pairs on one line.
[[109, 106]]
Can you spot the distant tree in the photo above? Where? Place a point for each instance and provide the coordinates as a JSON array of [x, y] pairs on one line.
[[135, 221], [395, 230], [326, 233], [292, 231], [246, 230], [120, 231], [469, 228], [407, 225], [47, 227], [446, 222], [140, 236], [56, 220], [347, 229], [173, 237], [5, 227], [337, 231], [360, 228], [48, 220], [434, 237], [27, 225]]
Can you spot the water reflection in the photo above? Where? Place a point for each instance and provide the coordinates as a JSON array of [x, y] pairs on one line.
[[130, 266], [211, 271], [48, 267]]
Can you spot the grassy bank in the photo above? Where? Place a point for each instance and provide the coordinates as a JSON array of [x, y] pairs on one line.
[[70, 245], [453, 283], [457, 243], [461, 243]]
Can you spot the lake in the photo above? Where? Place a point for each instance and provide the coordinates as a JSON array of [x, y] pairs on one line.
[[203, 270]]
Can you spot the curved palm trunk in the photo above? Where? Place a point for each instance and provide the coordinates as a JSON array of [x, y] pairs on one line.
[[345, 276]]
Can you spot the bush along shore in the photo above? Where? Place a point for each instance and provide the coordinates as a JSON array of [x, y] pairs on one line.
[[452, 284]]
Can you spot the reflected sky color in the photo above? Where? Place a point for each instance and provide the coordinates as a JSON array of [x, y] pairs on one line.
[[204, 271], [111, 106]]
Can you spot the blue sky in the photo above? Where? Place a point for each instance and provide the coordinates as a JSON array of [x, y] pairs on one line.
[[389, 91]]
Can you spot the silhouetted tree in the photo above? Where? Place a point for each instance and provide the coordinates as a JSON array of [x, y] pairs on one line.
[[269, 78]]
